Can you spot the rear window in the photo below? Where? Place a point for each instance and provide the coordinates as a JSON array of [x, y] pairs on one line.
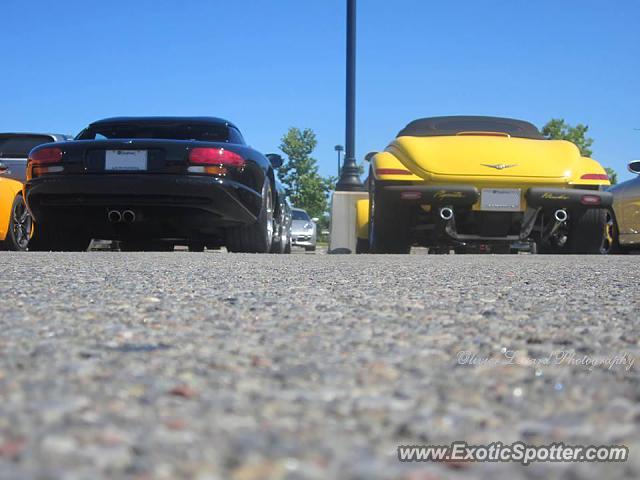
[[300, 215], [202, 133], [19, 146]]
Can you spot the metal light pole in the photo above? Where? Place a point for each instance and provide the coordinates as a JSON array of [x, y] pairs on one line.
[[349, 176], [349, 190], [339, 149]]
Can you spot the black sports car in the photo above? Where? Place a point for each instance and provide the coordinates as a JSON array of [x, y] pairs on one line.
[[154, 182]]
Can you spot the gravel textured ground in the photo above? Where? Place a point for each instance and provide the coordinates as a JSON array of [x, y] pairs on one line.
[[247, 367]]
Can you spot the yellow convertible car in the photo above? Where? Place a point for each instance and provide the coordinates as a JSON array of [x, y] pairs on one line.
[[16, 225], [468, 184]]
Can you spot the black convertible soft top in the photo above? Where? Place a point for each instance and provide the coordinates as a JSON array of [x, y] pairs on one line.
[[453, 125]]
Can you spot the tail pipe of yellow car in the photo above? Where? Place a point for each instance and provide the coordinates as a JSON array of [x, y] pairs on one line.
[[446, 213], [560, 215]]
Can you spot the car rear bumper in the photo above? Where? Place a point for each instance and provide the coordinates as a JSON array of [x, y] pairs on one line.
[[303, 240], [568, 198], [470, 224], [219, 200], [455, 195], [468, 195]]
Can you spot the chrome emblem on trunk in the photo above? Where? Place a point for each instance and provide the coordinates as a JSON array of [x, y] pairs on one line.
[[499, 166]]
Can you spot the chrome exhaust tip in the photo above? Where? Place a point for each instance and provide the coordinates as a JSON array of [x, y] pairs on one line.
[[114, 216], [128, 216], [446, 213], [561, 216]]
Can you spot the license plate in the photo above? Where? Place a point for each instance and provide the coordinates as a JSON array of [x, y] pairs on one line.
[[125, 160], [501, 199]]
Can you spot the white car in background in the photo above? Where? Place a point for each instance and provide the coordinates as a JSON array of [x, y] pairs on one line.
[[303, 230]]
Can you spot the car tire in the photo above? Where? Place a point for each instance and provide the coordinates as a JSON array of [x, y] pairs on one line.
[[612, 235], [310, 249], [388, 224], [20, 227], [279, 244], [57, 237], [587, 232], [257, 237], [362, 245]]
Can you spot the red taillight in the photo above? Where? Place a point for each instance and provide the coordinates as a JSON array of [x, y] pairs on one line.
[[595, 176], [46, 156], [590, 200], [392, 171], [215, 156]]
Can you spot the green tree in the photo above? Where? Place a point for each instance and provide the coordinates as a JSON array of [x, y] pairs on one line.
[[613, 175], [558, 129], [305, 186]]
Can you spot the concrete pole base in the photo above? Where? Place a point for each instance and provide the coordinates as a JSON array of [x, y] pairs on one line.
[[343, 221]]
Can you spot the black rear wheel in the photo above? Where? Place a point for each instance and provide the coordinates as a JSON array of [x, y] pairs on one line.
[[257, 237], [20, 227], [283, 235], [362, 245], [587, 232], [389, 223]]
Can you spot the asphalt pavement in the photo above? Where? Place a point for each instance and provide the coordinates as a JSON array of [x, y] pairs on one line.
[[220, 366]]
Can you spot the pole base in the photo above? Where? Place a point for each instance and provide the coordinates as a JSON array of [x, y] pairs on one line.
[[343, 221]]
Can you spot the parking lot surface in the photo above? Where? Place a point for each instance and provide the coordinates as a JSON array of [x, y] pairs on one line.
[[218, 366]]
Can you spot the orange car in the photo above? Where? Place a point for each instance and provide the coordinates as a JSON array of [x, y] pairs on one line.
[[16, 226]]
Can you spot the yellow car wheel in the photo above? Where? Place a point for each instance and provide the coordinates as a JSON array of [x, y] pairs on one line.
[[608, 233], [611, 235], [20, 227]]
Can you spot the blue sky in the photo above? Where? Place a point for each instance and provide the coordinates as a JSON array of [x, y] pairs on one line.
[[270, 65]]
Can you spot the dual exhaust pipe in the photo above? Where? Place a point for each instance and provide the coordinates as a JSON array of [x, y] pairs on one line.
[[115, 216], [561, 215]]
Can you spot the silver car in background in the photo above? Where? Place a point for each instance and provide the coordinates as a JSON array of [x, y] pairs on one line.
[[303, 230], [15, 148]]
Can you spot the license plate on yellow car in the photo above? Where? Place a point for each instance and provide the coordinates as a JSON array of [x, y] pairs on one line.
[[500, 199]]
